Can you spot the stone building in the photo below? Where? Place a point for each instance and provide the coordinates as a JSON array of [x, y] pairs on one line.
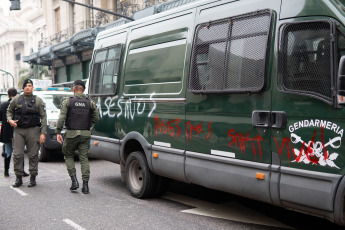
[[20, 33], [72, 29]]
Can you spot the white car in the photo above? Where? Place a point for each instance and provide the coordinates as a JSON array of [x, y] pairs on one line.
[[53, 98]]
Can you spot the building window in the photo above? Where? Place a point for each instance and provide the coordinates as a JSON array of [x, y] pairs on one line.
[[57, 20]]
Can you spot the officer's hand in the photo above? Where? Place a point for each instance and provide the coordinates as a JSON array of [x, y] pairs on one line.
[[13, 123], [59, 138], [42, 138]]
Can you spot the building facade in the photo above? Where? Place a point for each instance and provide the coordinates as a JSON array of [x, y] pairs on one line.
[[71, 60], [72, 29], [20, 33]]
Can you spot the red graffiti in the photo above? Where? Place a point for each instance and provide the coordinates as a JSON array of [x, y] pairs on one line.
[[190, 128], [307, 149], [241, 141], [167, 127], [209, 130]]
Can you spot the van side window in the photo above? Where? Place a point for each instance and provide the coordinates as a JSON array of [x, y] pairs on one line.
[[305, 65], [105, 70], [230, 55]]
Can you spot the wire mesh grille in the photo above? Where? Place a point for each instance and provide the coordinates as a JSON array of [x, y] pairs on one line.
[[305, 58], [229, 55]]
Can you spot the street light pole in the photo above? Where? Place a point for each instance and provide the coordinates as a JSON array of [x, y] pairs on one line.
[[99, 9], [9, 74]]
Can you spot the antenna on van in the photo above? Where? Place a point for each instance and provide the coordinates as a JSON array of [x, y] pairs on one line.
[[99, 9]]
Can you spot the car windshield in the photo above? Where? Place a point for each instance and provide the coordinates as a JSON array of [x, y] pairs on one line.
[[53, 101]]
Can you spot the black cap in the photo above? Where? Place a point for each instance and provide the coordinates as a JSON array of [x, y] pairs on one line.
[[79, 82], [27, 81]]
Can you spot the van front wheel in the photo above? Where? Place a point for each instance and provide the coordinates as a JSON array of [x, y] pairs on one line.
[[139, 179]]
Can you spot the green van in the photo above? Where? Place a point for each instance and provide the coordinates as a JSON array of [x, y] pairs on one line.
[[242, 96]]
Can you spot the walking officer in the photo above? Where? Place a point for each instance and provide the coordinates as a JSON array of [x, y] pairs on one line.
[[79, 114], [27, 114]]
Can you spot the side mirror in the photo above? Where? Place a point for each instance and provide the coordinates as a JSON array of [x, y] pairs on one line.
[[341, 82]]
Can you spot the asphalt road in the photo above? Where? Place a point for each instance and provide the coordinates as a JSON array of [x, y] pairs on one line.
[[50, 205]]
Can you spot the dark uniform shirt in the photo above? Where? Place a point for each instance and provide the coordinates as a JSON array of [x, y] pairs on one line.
[[40, 106], [63, 115]]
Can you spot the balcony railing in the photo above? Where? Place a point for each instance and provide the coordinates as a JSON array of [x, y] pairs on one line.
[[100, 20], [127, 8]]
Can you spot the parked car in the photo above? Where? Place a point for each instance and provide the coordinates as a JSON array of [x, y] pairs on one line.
[[53, 98]]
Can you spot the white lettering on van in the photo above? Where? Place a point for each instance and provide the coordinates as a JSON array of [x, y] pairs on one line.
[[127, 109], [109, 104], [318, 152], [154, 105], [98, 104], [317, 123]]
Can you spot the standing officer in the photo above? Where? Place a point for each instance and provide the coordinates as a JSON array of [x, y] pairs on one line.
[[26, 113], [80, 113]]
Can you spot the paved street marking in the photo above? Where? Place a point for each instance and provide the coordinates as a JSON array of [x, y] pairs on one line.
[[229, 211], [19, 191], [74, 225]]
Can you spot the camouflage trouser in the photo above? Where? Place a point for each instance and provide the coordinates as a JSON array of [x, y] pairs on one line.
[[82, 144], [29, 137]]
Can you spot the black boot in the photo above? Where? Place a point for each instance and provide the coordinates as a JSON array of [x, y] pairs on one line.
[[32, 182], [75, 183], [24, 173], [7, 161], [18, 182], [85, 188]]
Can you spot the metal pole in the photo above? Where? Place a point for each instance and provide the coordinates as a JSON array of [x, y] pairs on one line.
[[99, 9], [9, 74]]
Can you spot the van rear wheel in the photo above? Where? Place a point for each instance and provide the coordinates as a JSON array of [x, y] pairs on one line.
[[139, 178]]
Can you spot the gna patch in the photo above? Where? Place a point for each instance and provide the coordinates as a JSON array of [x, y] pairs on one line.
[[318, 147], [80, 104]]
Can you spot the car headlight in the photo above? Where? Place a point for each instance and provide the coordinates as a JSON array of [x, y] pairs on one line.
[[52, 123]]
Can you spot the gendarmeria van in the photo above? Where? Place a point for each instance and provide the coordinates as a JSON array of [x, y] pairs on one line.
[[240, 96]]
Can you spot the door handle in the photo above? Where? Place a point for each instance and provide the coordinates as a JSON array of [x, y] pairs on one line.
[[278, 119], [261, 118], [265, 119]]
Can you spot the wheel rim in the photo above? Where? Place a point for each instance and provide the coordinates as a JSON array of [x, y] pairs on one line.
[[136, 176]]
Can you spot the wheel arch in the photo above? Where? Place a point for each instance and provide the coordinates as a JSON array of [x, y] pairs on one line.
[[133, 141]]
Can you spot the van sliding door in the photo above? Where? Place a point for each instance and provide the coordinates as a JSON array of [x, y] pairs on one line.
[[228, 100]]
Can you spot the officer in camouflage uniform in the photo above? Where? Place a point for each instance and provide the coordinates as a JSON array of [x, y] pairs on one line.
[[27, 114], [79, 113]]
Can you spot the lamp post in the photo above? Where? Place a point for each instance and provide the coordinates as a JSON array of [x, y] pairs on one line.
[[9, 74]]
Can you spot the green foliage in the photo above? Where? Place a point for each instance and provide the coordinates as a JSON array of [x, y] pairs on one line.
[[25, 73]]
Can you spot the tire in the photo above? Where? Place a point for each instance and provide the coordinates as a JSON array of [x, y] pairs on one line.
[[141, 182], [43, 154], [162, 186]]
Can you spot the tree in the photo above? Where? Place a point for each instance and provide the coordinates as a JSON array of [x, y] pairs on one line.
[[33, 73]]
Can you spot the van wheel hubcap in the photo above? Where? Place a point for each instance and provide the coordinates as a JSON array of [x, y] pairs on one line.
[[136, 175]]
